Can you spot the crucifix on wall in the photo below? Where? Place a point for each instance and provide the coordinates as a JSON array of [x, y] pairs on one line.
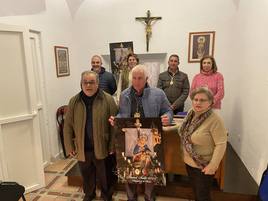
[[148, 21]]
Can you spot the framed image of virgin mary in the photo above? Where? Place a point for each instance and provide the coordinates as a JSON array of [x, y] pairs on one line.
[[139, 151], [200, 44]]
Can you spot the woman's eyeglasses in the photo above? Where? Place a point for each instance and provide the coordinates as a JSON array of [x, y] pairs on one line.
[[200, 100]]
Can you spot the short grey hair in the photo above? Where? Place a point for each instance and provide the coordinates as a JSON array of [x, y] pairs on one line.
[[89, 72], [140, 68], [203, 90], [97, 56]]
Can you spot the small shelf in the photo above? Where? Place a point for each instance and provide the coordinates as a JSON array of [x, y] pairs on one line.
[[154, 61], [141, 56]]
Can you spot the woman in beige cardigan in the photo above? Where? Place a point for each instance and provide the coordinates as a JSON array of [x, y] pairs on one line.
[[204, 139]]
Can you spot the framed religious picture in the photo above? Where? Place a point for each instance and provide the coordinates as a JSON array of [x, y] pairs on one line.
[[62, 61], [118, 54], [139, 151], [200, 44]]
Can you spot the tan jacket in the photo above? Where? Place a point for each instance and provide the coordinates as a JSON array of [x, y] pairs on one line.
[[209, 141], [103, 133]]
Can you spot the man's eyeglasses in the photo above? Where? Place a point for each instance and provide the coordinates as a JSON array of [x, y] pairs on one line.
[[200, 100], [88, 82]]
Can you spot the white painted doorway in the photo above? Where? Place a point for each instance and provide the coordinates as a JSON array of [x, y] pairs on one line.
[[41, 94], [21, 157]]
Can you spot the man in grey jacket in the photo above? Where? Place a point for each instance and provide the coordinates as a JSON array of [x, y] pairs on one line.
[[175, 84]]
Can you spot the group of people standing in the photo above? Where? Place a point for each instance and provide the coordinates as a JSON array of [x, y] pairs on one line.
[[90, 135]]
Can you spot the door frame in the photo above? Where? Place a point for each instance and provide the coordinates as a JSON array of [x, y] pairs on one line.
[[41, 106], [30, 115]]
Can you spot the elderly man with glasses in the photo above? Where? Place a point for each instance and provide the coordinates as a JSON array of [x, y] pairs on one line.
[[88, 134]]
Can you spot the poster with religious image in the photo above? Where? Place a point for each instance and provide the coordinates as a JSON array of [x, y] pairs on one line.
[[118, 55], [139, 151]]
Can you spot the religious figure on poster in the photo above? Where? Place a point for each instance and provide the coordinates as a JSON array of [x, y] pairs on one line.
[[200, 46], [118, 55], [141, 162]]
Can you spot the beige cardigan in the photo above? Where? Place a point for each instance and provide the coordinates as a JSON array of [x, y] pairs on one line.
[[209, 140]]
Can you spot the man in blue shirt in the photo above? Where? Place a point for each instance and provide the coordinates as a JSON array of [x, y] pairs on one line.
[[145, 101]]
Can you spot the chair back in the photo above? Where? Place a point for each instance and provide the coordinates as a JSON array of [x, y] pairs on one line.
[[60, 116]]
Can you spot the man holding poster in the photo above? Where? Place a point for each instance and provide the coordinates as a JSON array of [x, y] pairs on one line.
[[142, 101]]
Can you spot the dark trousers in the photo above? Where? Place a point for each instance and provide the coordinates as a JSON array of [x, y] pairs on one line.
[[132, 195], [201, 183], [111, 172], [89, 169]]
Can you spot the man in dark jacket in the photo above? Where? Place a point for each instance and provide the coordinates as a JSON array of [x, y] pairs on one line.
[[107, 80], [175, 84], [88, 134]]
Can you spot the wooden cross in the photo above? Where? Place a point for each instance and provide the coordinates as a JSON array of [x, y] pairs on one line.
[[148, 26]]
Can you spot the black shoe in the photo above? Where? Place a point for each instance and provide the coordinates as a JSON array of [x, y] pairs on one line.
[[89, 197]]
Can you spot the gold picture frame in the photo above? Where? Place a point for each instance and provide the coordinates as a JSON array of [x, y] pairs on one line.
[[62, 61], [200, 44]]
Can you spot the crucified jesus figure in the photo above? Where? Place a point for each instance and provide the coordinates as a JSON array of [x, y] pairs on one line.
[[148, 21]]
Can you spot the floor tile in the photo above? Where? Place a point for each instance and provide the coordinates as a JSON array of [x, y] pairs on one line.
[[57, 189], [58, 166], [61, 185], [49, 177]]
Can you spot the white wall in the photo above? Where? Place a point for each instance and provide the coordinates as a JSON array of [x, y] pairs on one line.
[[99, 23], [240, 49], [55, 26], [246, 78]]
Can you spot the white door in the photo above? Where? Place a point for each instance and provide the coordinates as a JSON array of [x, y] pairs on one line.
[[20, 144], [41, 95]]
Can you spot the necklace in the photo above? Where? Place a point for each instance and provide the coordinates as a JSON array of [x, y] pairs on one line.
[[138, 105], [171, 79]]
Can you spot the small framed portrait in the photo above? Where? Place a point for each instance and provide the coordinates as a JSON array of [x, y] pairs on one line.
[[62, 61], [118, 55], [200, 44], [139, 151]]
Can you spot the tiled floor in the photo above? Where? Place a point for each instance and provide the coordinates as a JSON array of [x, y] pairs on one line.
[[56, 188]]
